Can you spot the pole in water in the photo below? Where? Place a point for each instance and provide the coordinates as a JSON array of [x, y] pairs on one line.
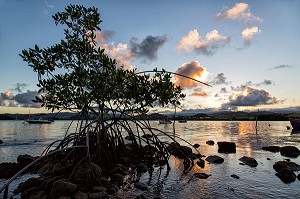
[[256, 121]]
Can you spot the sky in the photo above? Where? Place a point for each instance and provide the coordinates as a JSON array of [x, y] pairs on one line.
[[248, 51]]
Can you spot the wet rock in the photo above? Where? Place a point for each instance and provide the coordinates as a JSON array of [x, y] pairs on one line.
[[80, 195], [226, 147], [31, 182], [201, 175], [179, 151], [47, 185], [25, 159], [97, 195], [99, 189], [29, 192], [9, 169], [119, 179], [272, 149], [83, 172], [298, 176], [104, 181], [214, 159], [290, 151], [62, 188], [285, 164], [46, 168], [210, 142], [196, 146], [286, 175], [235, 176], [200, 163], [249, 161], [1, 141], [141, 185], [39, 195]]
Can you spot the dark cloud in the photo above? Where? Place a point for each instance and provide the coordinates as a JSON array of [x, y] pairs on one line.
[[253, 97], [25, 99], [242, 87], [104, 35], [265, 82], [219, 79], [20, 87], [193, 70], [148, 48], [280, 67]]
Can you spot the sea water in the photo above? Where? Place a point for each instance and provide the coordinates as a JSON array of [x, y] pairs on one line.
[[258, 182]]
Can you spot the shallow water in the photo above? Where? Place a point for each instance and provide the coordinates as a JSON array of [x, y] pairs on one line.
[[259, 182]]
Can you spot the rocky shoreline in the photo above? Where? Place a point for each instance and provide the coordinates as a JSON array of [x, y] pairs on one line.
[[59, 178]]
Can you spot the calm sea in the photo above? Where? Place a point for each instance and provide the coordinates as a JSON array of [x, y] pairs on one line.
[[259, 182]]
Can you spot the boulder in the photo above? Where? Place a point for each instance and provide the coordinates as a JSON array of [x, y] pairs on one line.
[[235, 176], [285, 164], [1, 141], [214, 159], [286, 175], [179, 151], [80, 195], [62, 188], [119, 179], [249, 161], [112, 189], [25, 159], [9, 169], [290, 151], [31, 182], [141, 185], [298, 176], [226, 147], [141, 168], [201, 175], [200, 163], [97, 195], [272, 149], [210, 142], [196, 146]]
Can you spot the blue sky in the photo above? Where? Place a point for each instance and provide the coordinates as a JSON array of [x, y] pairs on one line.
[[247, 50]]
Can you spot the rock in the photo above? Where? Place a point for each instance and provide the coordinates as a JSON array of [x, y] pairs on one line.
[[31, 182], [196, 146], [141, 168], [62, 188], [201, 175], [1, 141], [210, 142], [298, 176], [97, 195], [128, 137], [286, 175], [99, 189], [249, 161], [119, 179], [235, 176], [39, 195], [112, 189], [285, 164], [47, 185], [29, 192], [46, 168], [25, 159], [84, 171], [80, 195], [103, 181], [290, 151], [200, 163], [226, 147], [9, 169], [141, 185], [272, 149], [179, 151], [214, 159], [147, 136]]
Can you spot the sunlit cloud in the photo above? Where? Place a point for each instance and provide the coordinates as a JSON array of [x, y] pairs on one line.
[[103, 35], [198, 92], [8, 99], [192, 69], [249, 33], [251, 97], [207, 46], [240, 11], [219, 79], [148, 48]]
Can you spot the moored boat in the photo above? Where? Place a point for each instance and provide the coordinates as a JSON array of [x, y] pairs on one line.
[[295, 122], [182, 121]]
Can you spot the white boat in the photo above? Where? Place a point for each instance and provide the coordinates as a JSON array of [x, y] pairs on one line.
[[38, 121], [165, 121]]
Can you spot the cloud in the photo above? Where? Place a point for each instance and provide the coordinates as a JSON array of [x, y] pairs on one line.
[[207, 46], [242, 87], [265, 82], [25, 99], [249, 33], [20, 86], [104, 35], [280, 67], [193, 70], [219, 79], [148, 48], [6, 99], [240, 11], [198, 92], [252, 97]]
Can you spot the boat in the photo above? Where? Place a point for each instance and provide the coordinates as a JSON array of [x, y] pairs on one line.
[[182, 121], [38, 121], [295, 122], [165, 121]]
